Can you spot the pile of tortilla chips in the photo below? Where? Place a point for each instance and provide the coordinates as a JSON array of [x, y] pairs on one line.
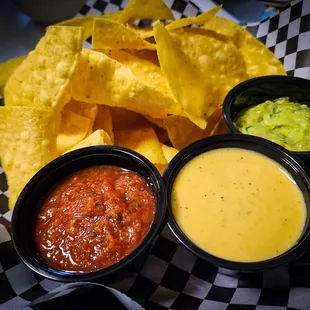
[[146, 89]]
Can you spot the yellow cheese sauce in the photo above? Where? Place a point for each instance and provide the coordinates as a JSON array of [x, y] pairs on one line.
[[238, 205]]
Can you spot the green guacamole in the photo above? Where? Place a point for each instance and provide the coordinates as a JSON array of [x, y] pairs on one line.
[[281, 121]]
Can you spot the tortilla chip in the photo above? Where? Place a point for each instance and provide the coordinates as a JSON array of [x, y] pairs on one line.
[[146, 55], [163, 136], [6, 70], [84, 109], [197, 20], [109, 34], [124, 119], [187, 21], [258, 58], [85, 22], [184, 79], [182, 131], [144, 70], [226, 28], [221, 128], [143, 31], [128, 120], [104, 121], [29, 136], [157, 121], [73, 129], [2, 128], [98, 137], [147, 34], [43, 79], [145, 9], [103, 80], [161, 168], [143, 141], [169, 152], [220, 61]]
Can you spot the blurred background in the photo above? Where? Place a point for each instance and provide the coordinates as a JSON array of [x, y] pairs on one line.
[[23, 22]]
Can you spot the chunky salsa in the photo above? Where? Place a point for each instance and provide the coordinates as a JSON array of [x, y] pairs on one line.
[[94, 218]]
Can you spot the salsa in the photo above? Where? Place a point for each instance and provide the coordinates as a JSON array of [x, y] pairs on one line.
[[94, 218], [281, 121]]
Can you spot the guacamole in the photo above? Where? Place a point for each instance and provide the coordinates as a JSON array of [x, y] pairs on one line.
[[281, 121]]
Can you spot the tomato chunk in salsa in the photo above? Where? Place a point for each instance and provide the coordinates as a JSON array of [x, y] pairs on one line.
[[94, 218]]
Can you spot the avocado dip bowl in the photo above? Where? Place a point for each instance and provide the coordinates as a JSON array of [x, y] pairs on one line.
[[276, 108]]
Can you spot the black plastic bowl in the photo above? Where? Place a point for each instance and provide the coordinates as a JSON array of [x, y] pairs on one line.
[[290, 162], [30, 200], [261, 89]]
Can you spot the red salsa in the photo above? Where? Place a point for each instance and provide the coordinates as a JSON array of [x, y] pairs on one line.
[[94, 218]]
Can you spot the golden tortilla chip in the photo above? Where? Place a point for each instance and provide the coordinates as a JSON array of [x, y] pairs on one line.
[[147, 34], [184, 79], [84, 109], [104, 121], [143, 141], [157, 121], [258, 58], [197, 20], [6, 70], [128, 120], [143, 31], [124, 119], [225, 28], [103, 80], [85, 22], [29, 136], [2, 128], [145, 9], [187, 21], [43, 79], [182, 131], [219, 61], [169, 152], [146, 55], [73, 129], [162, 136], [109, 34], [161, 168], [98, 137], [221, 128], [144, 70]]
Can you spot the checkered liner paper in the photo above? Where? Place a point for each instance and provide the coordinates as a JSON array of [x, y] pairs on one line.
[[172, 277]]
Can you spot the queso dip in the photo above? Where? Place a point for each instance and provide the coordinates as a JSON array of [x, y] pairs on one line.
[[238, 205]]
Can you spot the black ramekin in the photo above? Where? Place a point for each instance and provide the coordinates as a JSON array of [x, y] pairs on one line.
[[261, 89], [30, 200], [292, 163]]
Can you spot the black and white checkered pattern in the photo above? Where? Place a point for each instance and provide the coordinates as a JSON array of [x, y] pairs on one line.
[[287, 34], [172, 277]]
